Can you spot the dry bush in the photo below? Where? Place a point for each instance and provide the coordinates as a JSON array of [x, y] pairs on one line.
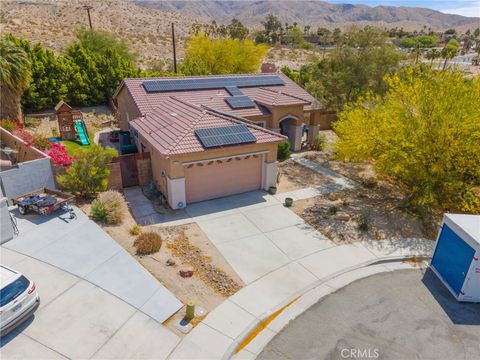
[[148, 243], [109, 207]]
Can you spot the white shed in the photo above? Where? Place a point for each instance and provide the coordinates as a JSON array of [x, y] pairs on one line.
[[456, 256]]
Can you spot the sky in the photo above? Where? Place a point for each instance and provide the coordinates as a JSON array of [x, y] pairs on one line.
[[460, 7]]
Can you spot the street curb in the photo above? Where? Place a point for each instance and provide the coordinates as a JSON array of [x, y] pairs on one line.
[[252, 327]]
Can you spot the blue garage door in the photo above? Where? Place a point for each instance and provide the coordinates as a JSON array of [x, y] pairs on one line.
[[452, 258]]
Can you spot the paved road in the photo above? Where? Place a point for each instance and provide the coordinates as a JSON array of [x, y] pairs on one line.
[[399, 315]]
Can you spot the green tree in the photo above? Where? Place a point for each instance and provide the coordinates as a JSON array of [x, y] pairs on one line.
[[425, 134], [451, 49], [294, 37], [237, 30], [204, 56], [418, 44], [89, 172], [357, 65], [273, 28], [101, 42], [48, 84], [15, 77], [92, 77]]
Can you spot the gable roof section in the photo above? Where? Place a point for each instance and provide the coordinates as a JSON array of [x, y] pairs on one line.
[[215, 98], [170, 126], [271, 97]]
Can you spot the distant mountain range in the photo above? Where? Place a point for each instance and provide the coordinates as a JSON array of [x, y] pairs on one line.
[[314, 13]]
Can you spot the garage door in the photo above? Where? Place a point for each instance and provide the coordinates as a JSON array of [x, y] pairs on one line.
[[209, 181]]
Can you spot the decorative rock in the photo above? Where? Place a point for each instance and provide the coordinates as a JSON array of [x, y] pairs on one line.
[[186, 271], [342, 216], [170, 262]]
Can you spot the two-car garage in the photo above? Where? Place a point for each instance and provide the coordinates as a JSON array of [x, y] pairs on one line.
[[222, 177]]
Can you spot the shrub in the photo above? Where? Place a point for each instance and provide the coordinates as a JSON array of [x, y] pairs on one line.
[[369, 182], [59, 155], [283, 152], [40, 141], [98, 212], [89, 171], [8, 125], [109, 207], [364, 221], [319, 142], [32, 122], [332, 209], [24, 135], [135, 230], [148, 243]]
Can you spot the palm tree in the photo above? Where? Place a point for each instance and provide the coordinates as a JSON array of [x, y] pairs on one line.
[[432, 55], [450, 50], [14, 78]]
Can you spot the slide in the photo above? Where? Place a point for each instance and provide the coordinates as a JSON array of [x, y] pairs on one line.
[[82, 132]]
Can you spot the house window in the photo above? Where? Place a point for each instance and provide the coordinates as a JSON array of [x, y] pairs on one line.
[[66, 128], [262, 124]]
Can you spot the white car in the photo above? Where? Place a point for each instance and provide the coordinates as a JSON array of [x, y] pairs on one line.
[[18, 299]]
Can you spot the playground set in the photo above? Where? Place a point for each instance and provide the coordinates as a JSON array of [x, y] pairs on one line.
[[71, 124]]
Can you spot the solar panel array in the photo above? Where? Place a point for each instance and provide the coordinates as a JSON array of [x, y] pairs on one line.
[[225, 135], [240, 102], [210, 83]]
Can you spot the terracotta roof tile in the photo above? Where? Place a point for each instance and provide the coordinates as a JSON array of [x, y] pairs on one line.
[[215, 98], [170, 126]]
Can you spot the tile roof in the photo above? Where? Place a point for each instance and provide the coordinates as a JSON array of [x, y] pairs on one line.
[[291, 94], [170, 126]]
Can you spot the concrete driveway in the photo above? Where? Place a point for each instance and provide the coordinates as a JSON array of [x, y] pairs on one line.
[[397, 315], [78, 319], [255, 233], [91, 289]]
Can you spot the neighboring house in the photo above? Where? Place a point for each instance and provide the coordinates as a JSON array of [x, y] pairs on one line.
[[217, 135]]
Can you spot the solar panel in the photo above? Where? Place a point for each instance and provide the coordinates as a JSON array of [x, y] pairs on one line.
[[177, 84], [233, 90], [240, 102], [225, 135]]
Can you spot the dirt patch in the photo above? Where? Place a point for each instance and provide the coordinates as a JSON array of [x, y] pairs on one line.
[[213, 280], [359, 214], [293, 176]]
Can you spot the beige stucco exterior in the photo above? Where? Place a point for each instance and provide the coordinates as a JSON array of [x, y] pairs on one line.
[[182, 180], [127, 108]]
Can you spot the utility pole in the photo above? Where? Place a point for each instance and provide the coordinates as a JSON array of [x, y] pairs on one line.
[[88, 8], [174, 49]]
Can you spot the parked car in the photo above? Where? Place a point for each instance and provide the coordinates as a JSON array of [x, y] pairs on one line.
[[18, 299]]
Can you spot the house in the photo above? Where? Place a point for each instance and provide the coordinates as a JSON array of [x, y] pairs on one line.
[[214, 136]]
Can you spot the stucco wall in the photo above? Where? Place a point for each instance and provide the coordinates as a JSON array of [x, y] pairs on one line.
[[6, 228], [24, 152], [126, 105], [27, 177]]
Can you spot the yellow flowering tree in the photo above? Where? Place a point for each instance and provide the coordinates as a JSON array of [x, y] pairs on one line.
[[424, 133], [205, 56]]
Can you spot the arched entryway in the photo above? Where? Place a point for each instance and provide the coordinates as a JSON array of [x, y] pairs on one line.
[[293, 129]]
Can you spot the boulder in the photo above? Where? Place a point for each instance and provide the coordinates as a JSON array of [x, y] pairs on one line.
[[186, 271]]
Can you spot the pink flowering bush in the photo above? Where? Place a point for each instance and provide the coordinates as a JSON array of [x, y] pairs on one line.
[[24, 135], [59, 155]]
